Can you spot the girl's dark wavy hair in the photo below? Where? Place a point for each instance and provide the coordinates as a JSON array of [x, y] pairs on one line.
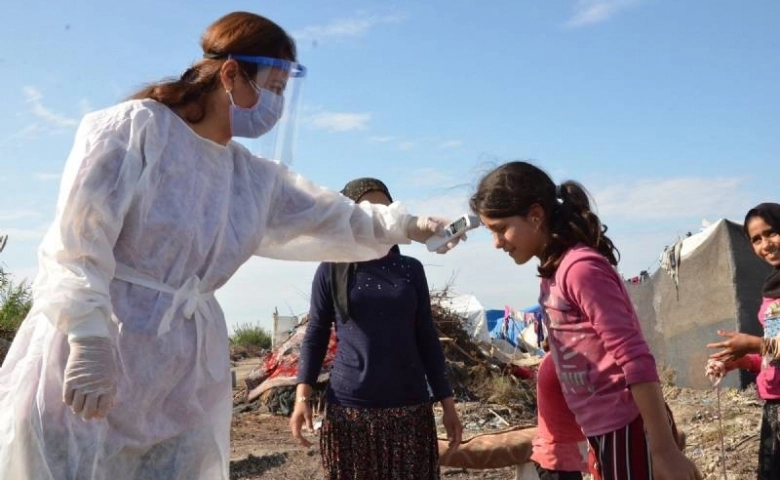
[[513, 188]]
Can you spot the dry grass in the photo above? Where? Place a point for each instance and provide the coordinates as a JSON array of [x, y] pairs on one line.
[[507, 390]]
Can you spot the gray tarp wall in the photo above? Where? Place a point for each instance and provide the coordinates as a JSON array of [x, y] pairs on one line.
[[719, 288]]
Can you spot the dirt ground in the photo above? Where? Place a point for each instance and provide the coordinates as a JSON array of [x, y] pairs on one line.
[[696, 412], [262, 447]]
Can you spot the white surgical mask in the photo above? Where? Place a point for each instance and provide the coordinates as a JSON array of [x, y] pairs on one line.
[[257, 120]]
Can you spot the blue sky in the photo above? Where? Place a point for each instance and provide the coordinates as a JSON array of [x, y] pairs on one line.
[[666, 110]]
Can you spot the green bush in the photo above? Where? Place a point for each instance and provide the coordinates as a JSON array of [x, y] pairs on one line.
[[249, 335], [15, 303]]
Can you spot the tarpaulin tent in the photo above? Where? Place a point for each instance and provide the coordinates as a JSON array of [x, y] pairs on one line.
[[472, 313], [519, 328], [493, 317], [708, 281]]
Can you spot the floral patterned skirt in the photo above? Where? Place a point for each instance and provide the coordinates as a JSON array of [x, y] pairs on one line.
[[380, 443]]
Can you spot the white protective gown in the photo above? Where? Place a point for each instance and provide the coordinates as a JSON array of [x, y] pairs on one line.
[[151, 220]]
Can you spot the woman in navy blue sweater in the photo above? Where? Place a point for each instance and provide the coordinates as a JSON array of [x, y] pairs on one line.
[[379, 421]]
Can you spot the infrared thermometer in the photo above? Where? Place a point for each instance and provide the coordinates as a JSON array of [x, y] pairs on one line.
[[452, 231]]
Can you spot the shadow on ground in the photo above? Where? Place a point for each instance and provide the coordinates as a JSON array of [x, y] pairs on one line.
[[252, 465]]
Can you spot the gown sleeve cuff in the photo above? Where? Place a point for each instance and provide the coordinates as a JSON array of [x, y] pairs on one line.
[[89, 327]]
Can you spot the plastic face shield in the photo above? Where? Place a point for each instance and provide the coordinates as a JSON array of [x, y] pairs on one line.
[[283, 78]]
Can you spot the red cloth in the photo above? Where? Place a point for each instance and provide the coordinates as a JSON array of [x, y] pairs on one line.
[[283, 362], [280, 367], [522, 373], [559, 443]]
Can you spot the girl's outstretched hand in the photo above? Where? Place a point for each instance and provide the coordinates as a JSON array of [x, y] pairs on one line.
[[735, 346]]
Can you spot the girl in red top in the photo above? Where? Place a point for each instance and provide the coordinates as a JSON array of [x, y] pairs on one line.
[[560, 450]]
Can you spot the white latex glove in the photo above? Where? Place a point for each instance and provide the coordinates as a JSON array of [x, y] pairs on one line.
[[715, 371], [90, 377], [421, 229]]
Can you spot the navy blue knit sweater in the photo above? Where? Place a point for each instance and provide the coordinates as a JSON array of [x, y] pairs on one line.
[[388, 347]]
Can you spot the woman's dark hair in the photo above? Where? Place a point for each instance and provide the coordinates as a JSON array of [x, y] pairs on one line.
[[513, 188], [237, 33]]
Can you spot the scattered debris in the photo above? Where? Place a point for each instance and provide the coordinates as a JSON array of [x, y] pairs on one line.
[[474, 374], [696, 413]]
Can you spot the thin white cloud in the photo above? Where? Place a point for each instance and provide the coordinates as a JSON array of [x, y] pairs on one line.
[[451, 144], [284, 286], [344, 27], [477, 268], [339, 121], [380, 139], [46, 177], [12, 215], [431, 177], [406, 145], [590, 12], [448, 204], [84, 106], [19, 255], [667, 198], [34, 98], [24, 235], [27, 132]]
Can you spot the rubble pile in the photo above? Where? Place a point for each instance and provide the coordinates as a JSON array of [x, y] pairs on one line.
[[271, 384], [473, 373]]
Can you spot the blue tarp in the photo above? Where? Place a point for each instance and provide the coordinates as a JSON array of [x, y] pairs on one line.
[[492, 317], [508, 329], [535, 309]]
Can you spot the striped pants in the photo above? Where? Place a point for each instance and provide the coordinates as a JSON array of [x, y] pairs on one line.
[[623, 454]]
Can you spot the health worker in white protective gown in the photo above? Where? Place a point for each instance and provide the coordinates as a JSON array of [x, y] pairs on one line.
[[121, 370]]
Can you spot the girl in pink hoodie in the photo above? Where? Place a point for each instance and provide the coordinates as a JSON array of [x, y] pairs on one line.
[[607, 373]]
